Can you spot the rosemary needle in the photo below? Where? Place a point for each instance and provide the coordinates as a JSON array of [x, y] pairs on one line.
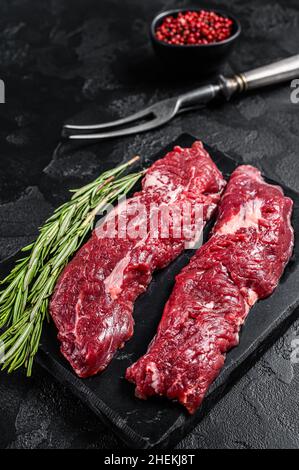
[[25, 294]]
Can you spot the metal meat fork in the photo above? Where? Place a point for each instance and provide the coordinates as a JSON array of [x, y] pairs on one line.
[[163, 111]]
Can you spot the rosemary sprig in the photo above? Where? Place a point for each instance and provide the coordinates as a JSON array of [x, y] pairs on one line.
[[25, 297]]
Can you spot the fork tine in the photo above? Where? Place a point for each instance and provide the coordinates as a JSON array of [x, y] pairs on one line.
[[117, 133], [133, 117]]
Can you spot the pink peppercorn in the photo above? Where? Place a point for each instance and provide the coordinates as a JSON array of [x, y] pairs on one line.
[[194, 27]]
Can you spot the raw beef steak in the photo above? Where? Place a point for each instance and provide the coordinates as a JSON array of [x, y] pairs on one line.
[[242, 262], [94, 298]]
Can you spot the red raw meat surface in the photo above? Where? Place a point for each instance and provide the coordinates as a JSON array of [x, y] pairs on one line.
[[242, 262], [93, 302]]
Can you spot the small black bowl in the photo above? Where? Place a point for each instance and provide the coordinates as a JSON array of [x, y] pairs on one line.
[[199, 59]]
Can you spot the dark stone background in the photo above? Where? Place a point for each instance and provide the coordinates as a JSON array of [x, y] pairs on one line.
[[63, 59]]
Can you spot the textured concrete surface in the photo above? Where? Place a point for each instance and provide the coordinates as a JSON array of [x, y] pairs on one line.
[[81, 60]]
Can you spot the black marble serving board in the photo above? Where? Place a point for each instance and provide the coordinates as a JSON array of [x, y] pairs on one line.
[[158, 422]]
